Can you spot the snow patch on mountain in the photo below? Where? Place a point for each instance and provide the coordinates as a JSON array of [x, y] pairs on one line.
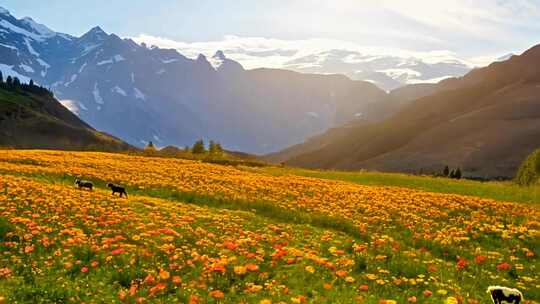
[[38, 27], [9, 26], [138, 94], [103, 62], [73, 78], [27, 69], [119, 90], [167, 61], [114, 59], [9, 47], [43, 63], [81, 69], [30, 48], [118, 58], [7, 70], [97, 96]]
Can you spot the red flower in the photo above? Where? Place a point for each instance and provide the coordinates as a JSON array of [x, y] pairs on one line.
[[364, 287], [504, 266], [117, 251], [479, 259], [462, 263]]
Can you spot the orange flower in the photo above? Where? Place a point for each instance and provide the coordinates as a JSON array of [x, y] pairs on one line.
[[427, 293], [341, 273], [29, 249], [327, 286], [193, 299], [164, 275], [177, 280], [150, 279], [216, 294], [84, 269], [219, 268], [240, 270], [364, 287], [252, 267], [411, 299], [122, 295], [159, 287]]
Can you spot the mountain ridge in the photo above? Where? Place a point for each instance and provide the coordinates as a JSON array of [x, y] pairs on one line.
[[141, 93], [485, 122]]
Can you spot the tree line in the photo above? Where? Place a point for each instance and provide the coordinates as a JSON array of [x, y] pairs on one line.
[[454, 173], [199, 147], [15, 84]]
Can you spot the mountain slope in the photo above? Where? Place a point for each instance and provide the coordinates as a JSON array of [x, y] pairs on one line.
[[32, 118], [485, 122]]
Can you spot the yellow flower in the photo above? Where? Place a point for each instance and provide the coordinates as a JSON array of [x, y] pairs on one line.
[[442, 292], [451, 300], [349, 279], [265, 301], [310, 269], [240, 269]]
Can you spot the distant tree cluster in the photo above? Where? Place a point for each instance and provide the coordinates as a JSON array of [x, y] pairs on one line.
[[214, 148], [15, 84], [454, 173]]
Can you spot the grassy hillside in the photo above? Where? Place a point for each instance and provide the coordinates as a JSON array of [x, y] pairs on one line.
[[30, 117], [193, 232]]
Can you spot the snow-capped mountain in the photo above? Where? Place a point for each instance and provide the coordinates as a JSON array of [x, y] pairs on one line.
[[387, 68], [141, 93], [387, 72]]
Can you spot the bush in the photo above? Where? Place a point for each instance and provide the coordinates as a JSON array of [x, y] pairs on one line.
[[529, 171]]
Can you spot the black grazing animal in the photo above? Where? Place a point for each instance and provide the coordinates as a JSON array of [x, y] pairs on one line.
[[117, 189], [84, 184], [501, 294]]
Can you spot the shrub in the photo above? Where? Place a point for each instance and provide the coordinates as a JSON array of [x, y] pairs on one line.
[[529, 171]]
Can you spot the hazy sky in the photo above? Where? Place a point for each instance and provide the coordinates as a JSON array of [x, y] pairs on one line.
[[469, 28]]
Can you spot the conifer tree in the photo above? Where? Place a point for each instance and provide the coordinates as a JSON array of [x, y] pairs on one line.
[[446, 171], [16, 82], [150, 147], [198, 147], [458, 174]]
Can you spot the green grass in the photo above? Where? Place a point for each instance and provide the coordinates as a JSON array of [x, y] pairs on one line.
[[500, 191]]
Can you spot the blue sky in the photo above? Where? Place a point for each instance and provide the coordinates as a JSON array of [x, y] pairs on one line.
[[468, 28]]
